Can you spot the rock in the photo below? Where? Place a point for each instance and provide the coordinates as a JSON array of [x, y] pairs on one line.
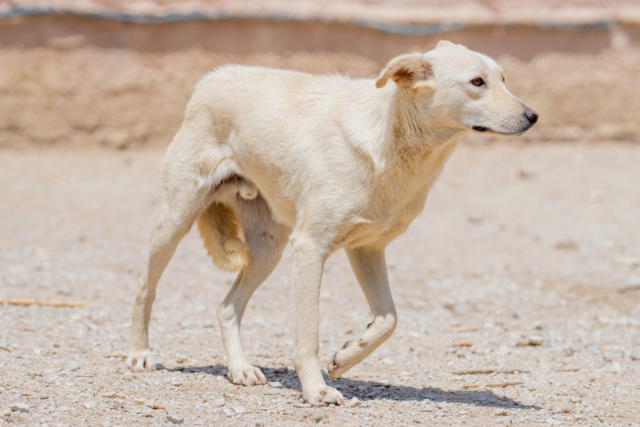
[[238, 409], [175, 418], [127, 375], [387, 361], [533, 340], [21, 407], [567, 245], [175, 382], [501, 412], [219, 402], [317, 416], [75, 366], [90, 404], [155, 405], [275, 384], [109, 395], [354, 402]]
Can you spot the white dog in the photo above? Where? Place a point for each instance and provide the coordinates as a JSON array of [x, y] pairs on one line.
[[267, 156]]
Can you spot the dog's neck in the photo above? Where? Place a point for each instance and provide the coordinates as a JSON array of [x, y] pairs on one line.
[[416, 127], [398, 134], [417, 141]]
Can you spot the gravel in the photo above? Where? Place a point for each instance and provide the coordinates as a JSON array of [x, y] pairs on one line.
[[75, 226]]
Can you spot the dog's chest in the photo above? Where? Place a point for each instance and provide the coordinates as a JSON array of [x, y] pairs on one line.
[[391, 206], [382, 223]]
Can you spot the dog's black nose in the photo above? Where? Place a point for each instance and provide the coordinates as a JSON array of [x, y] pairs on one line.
[[531, 115]]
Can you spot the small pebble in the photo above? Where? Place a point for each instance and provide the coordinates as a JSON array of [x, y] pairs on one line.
[[533, 340], [317, 417], [127, 375], [90, 404], [354, 402], [21, 407], [175, 418], [238, 409], [175, 382], [109, 395], [275, 384], [219, 402]]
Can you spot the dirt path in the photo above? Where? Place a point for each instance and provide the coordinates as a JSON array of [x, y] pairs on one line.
[[525, 266]]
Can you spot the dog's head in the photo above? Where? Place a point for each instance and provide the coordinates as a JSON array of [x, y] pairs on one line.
[[460, 88]]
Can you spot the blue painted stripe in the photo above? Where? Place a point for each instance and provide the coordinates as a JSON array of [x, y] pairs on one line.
[[384, 26]]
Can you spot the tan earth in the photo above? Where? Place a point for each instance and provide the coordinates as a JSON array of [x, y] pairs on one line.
[[525, 265]]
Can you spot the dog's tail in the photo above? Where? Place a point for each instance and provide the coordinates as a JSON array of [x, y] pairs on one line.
[[223, 237]]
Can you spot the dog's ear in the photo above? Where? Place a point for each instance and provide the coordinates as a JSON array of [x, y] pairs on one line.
[[444, 43], [412, 71]]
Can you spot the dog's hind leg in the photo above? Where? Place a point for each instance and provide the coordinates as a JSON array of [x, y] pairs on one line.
[[182, 197], [266, 240], [370, 268]]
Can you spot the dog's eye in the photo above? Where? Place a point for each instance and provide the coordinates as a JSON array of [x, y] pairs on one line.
[[477, 82]]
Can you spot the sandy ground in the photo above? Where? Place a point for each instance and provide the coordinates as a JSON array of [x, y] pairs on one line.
[[525, 264]]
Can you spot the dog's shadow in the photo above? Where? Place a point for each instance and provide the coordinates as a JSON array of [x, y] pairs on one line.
[[373, 390]]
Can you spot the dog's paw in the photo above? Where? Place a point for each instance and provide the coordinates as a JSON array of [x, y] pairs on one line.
[[342, 360], [246, 375], [140, 361], [323, 396]]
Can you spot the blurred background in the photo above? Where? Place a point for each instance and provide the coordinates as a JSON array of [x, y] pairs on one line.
[[118, 73]]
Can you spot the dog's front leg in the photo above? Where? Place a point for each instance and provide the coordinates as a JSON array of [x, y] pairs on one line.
[[308, 259], [371, 271]]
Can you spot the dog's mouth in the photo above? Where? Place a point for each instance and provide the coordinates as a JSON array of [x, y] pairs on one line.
[[483, 129]]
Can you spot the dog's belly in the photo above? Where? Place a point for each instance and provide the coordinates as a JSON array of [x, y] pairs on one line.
[[369, 234]]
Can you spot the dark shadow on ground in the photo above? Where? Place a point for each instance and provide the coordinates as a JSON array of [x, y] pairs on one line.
[[373, 390]]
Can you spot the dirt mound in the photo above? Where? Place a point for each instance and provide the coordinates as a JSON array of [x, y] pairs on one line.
[[88, 81]]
